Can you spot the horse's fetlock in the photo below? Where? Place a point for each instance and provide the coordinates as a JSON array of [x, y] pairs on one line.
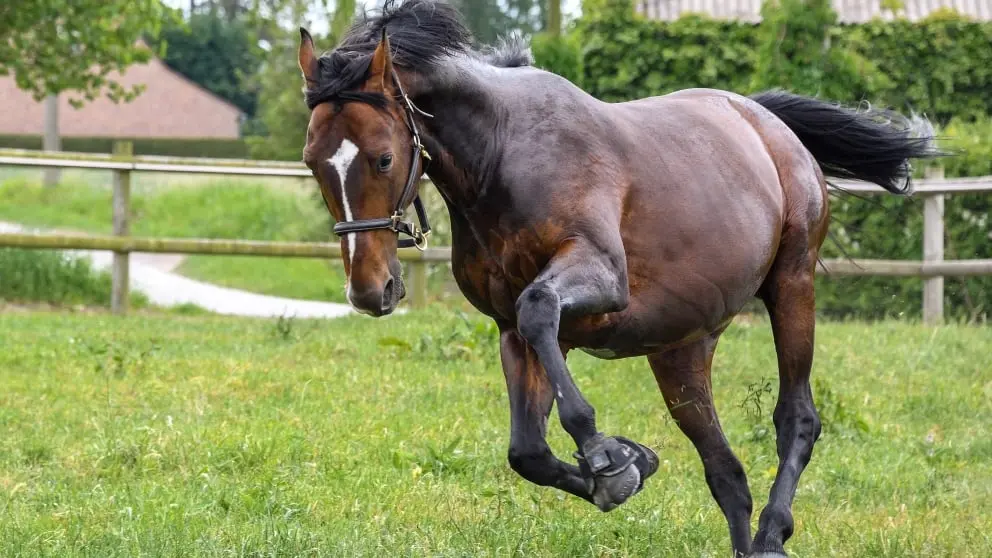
[[523, 459]]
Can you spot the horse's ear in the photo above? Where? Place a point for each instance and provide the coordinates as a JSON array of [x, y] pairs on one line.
[[308, 61], [381, 69]]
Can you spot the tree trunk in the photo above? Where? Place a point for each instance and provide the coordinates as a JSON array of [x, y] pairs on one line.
[[554, 17], [51, 141]]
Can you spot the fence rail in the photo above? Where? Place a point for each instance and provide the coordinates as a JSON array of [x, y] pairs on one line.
[[932, 269]]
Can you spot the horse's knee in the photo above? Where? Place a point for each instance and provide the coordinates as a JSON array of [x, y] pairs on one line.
[[814, 426], [538, 309]]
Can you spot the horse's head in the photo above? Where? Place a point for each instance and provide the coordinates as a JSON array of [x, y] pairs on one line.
[[363, 148]]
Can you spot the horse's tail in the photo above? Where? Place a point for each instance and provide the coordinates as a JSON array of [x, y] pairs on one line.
[[872, 145]]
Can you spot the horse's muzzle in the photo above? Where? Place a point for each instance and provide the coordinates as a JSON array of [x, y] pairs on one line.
[[378, 301]]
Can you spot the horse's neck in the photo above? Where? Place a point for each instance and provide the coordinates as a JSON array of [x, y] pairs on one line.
[[465, 136]]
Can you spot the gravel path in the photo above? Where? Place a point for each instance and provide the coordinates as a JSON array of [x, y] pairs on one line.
[[153, 275]]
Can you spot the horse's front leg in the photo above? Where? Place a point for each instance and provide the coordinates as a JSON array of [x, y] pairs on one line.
[[530, 404], [582, 279]]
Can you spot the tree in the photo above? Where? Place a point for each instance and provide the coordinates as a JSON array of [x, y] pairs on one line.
[[794, 51], [282, 116], [221, 55], [490, 19], [51, 46]]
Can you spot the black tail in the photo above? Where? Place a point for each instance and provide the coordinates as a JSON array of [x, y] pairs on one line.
[[871, 145]]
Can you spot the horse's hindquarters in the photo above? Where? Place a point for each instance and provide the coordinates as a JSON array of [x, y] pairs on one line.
[[701, 227]]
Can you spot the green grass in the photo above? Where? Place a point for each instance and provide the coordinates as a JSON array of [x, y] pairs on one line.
[[210, 436], [303, 278], [308, 279]]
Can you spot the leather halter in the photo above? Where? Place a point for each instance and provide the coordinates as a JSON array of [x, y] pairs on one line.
[[418, 235]]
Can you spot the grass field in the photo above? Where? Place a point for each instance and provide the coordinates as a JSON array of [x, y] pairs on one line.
[[208, 436]]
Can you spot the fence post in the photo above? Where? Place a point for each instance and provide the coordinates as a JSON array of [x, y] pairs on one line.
[[417, 287], [122, 205], [933, 251]]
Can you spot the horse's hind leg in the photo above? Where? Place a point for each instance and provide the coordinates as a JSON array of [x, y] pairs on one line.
[[788, 295], [530, 404], [683, 374]]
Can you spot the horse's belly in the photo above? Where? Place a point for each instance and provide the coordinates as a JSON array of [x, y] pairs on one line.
[[623, 350], [639, 335]]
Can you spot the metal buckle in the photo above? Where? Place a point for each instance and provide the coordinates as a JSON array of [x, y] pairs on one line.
[[420, 238], [395, 220]]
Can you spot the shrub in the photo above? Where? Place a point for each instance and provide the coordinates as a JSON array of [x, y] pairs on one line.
[[54, 278], [941, 66]]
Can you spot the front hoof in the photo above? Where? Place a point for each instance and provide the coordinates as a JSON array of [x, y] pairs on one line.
[[615, 469], [611, 491]]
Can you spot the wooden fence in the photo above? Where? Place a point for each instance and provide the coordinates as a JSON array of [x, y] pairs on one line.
[[932, 269]]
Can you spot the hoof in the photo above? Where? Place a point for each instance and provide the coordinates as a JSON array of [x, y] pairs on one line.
[[767, 555], [615, 469]]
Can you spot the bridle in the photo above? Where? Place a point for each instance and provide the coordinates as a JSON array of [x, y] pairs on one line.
[[418, 235]]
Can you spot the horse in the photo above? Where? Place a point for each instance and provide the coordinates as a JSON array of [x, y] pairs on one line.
[[627, 229]]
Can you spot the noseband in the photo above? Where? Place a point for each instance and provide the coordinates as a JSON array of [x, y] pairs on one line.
[[418, 235]]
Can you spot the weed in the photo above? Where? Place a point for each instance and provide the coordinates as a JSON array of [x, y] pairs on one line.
[[116, 359], [836, 415], [284, 327], [753, 399], [469, 339]]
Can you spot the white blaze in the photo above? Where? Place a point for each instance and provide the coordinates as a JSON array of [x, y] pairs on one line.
[[341, 161]]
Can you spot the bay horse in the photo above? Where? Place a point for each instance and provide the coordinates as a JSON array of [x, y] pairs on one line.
[[621, 229]]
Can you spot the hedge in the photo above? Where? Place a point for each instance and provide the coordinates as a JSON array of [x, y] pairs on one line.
[[941, 66], [193, 147]]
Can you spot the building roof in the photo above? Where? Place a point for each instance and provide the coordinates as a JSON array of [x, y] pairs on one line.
[[171, 106], [848, 11]]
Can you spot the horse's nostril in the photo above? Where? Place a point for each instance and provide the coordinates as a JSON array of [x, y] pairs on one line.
[[387, 294]]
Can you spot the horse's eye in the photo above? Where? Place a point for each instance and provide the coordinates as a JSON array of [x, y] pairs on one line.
[[385, 162]]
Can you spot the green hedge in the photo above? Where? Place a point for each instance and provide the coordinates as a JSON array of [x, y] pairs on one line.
[[628, 57], [213, 148], [941, 66]]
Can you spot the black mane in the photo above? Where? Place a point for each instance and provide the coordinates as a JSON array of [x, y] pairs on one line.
[[421, 32]]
